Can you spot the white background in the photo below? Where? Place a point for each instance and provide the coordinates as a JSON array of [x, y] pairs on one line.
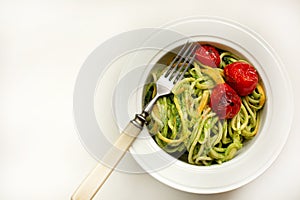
[[42, 47]]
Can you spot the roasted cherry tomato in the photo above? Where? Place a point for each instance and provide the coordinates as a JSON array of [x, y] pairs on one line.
[[242, 77], [224, 101], [208, 55]]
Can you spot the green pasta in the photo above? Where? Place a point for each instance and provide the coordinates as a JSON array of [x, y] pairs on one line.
[[184, 125]]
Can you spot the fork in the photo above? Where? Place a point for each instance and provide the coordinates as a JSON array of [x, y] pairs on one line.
[[164, 85]]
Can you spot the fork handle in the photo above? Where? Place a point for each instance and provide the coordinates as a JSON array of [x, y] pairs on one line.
[[94, 181]]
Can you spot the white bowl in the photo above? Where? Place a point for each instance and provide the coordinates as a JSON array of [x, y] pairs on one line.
[[98, 93], [256, 156]]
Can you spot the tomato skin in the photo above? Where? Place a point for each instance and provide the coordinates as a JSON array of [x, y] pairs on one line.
[[224, 101], [208, 55], [242, 77]]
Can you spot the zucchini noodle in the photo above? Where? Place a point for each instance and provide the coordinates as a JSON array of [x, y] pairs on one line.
[[184, 125]]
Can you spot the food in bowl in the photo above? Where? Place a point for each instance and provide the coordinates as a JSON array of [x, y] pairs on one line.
[[212, 112]]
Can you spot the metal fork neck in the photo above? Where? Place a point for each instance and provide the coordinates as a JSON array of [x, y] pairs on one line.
[[140, 119], [150, 105]]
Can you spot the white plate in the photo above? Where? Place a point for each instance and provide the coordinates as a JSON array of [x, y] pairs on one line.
[[108, 93]]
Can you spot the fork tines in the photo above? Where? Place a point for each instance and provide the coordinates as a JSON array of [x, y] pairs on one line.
[[181, 62]]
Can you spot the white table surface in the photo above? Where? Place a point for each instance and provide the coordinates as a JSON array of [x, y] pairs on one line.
[[42, 47]]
